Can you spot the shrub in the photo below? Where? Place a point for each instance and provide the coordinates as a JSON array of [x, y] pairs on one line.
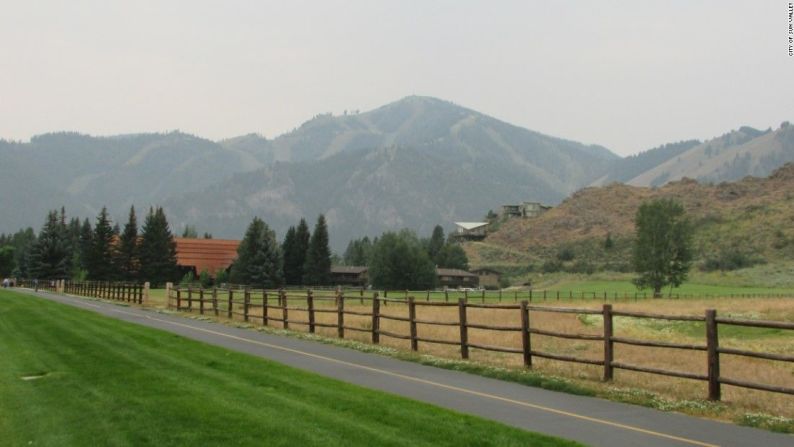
[[565, 254]]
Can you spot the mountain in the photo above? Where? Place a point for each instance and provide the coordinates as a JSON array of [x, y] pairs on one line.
[[84, 172], [751, 215], [736, 154], [629, 167], [414, 163], [437, 162]]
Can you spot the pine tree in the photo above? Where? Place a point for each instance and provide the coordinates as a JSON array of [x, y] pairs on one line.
[[317, 268], [157, 250], [128, 259], [259, 260], [295, 258], [288, 250], [101, 266], [49, 256], [436, 243], [84, 246]]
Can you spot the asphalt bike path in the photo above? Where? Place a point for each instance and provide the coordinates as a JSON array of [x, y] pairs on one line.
[[589, 420]]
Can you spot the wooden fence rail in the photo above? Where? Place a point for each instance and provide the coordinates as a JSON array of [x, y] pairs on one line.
[[306, 301]]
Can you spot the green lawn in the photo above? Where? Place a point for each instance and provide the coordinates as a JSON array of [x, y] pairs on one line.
[[94, 380]]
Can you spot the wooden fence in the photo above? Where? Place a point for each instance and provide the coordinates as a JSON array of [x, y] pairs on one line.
[[117, 291], [268, 306]]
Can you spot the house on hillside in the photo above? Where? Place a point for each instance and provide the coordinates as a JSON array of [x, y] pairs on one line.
[[211, 255], [470, 230], [488, 278], [526, 209], [343, 275], [455, 278]]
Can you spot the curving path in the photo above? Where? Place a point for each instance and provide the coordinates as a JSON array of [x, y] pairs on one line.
[[591, 421]]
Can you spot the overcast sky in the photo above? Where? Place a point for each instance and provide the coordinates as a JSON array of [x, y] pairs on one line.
[[627, 75]]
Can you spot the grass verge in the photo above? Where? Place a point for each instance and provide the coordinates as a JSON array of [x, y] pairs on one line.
[[72, 377]]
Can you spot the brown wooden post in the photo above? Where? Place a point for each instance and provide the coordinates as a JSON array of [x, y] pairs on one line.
[[713, 355], [375, 319], [215, 300], [525, 340], [284, 310], [264, 307], [427, 296], [340, 315], [310, 306], [201, 301], [412, 323], [446, 295], [530, 295], [500, 295], [229, 305], [464, 329], [246, 303], [483, 295], [189, 298], [466, 295], [609, 353]]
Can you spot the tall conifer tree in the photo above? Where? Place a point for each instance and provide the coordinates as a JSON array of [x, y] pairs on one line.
[[101, 258], [128, 259], [157, 249], [317, 268], [259, 260], [49, 256]]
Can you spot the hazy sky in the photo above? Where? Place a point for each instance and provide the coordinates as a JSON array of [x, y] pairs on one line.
[[627, 75]]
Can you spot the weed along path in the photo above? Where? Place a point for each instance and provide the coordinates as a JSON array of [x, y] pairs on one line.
[[587, 420]]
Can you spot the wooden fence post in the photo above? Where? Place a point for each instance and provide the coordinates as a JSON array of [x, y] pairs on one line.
[[229, 305], [189, 298], [525, 340], [264, 307], [310, 307], [284, 310], [608, 344], [412, 323], [712, 346], [464, 329], [215, 300], [246, 302], [144, 297], [340, 315], [178, 298], [201, 301], [375, 319]]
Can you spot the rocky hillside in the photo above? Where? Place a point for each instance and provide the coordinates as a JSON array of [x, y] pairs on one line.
[[752, 215]]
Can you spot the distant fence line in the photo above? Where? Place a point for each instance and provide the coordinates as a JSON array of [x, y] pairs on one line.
[[531, 295], [275, 306]]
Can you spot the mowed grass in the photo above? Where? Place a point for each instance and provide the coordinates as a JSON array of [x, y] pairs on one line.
[[71, 377]]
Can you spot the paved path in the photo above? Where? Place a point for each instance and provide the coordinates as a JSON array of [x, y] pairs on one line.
[[591, 421]]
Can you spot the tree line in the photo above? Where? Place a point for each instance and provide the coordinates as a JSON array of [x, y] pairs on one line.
[[401, 260], [102, 252]]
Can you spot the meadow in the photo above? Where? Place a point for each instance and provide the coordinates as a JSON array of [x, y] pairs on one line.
[[72, 377]]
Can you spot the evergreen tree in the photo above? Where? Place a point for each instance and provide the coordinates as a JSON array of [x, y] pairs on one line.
[[190, 232], [49, 256], [101, 266], [259, 260], [400, 262], [295, 254], [157, 250], [358, 252], [128, 259], [663, 245], [23, 242], [317, 268], [86, 241], [7, 264], [436, 243], [452, 256]]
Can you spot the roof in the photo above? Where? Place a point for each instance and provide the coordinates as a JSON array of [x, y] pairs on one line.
[[453, 272], [470, 225], [353, 269], [206, 254]]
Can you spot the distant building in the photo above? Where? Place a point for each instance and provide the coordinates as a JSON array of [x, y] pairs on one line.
[[455, 278], [488, 277], [198, 255], [470, 230], [342, 275], [526, 209]]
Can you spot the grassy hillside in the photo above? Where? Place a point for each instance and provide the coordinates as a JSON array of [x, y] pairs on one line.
[[71, 377], [752, 217]]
